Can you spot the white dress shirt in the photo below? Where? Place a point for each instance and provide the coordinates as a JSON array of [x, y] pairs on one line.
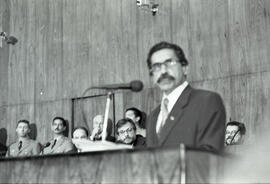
[[172, 97]]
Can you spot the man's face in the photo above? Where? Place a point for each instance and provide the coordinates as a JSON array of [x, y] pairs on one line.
[[168, 77], [232, 135], [58, 126], [126, 134], [79, 134], [130, 115], [22, 129], [98, 123]]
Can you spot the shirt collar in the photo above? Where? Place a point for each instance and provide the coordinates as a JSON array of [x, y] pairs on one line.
[[174, 95], [58, 138]]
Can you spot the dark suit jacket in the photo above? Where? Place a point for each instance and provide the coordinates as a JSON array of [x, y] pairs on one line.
[[197, 120], [140, 142]]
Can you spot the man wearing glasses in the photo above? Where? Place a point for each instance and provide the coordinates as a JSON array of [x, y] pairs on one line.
[[186, 115], [126, 134], [235, 132]]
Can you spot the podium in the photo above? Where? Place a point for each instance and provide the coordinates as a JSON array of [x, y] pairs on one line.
[[152, 165]]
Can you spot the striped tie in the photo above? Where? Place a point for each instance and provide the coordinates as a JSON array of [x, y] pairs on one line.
[[164, 114]]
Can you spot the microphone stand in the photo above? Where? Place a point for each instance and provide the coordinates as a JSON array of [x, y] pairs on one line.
[[106, 115]]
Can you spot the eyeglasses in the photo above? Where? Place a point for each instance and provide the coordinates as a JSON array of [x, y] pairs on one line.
[[157, 66], [129, 130]]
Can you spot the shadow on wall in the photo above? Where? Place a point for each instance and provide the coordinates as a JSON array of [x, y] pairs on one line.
[[33, 132], [3, 141], [3, 136], [67, 128]]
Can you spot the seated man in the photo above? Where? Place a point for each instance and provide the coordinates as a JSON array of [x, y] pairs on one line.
[[126, 134], [59, 143], [235, 132], [98, 127], [80, 133], [136, 116], [24, 145]]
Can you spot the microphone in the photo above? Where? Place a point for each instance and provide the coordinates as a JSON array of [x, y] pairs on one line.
[[12, 40], [135, 85], [9, 39], [46, 145]]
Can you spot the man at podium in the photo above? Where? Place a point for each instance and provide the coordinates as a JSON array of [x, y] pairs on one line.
[[186, 115]]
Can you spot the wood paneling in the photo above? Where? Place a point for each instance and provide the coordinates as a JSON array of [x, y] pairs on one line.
[[140, 166], [249, 36], [208, 30], [4, 52], [67, 46]]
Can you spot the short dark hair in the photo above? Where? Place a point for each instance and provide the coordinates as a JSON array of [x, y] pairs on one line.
[[62, 119], [82, 128], [136, 112], [122, 122], [23, 121], [241, 126], [166, 45]]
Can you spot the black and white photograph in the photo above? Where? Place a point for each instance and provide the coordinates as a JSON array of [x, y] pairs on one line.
[[134, 91]]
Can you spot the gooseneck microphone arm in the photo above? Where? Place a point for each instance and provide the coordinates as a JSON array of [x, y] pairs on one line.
[[135, 86]]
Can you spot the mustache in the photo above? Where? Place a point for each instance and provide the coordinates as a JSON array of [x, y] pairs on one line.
[[127, 137], [165, 76]]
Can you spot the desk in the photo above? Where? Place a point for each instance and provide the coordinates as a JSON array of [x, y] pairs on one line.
[[155, 165]]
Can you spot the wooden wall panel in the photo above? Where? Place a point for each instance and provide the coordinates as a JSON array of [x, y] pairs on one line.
[[4, 52], [49, 50], [249, 36], [21, 56], [78, 71], [180, 15], [250, 104], [208, 30]]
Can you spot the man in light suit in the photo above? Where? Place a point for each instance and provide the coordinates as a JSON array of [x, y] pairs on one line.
[[24, 145], [59, 143], [186, 115]]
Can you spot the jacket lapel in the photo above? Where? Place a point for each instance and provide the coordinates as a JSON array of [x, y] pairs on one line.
[[25, 145], [154, 124], [175, 114], [59, 142]]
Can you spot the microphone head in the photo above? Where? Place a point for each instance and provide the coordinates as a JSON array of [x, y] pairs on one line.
[[46, 144], [12, 40], [136, 85]]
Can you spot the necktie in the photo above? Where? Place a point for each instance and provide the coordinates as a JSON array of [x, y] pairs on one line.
[[54, 142], [20, 145], [164, 113]]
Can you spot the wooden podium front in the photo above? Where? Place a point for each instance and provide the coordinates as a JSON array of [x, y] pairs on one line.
[[156, 165]]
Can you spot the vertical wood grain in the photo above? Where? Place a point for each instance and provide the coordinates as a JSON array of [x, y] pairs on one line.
[[67, 46]]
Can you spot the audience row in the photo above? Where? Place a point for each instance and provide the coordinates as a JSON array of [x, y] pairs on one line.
[[128, 131]]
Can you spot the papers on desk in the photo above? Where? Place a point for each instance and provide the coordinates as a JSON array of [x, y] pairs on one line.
[[86, 145]]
